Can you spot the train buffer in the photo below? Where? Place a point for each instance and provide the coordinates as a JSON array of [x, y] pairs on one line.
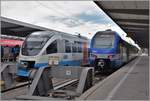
[[42, 88]]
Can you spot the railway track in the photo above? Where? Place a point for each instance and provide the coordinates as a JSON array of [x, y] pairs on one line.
[[57, 85], [15, 87], [68, 84], [21, 89]]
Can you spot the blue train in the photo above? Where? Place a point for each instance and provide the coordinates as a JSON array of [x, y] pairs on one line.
[[109, 51]]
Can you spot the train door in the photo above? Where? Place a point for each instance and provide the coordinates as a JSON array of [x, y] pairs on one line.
[[60, 46], [120, 55], [49, 52], [75, 55], [124, 54], [67, 55], [121, 51], [128, 52]]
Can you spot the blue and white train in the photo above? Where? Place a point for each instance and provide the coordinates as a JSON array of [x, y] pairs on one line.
[[39, 47], [109, 51]]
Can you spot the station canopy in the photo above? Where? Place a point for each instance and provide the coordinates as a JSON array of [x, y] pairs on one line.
[[131, 16], [13, 27]]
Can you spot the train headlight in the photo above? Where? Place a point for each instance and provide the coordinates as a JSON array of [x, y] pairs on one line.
[[24, 64], [101, 63]]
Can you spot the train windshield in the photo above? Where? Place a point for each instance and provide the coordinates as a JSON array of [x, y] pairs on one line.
[[34, 43], [103, 41]]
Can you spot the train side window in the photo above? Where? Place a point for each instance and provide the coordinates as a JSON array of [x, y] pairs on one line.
[[74, 48], [52, 48], [78, 46], [67, 46]]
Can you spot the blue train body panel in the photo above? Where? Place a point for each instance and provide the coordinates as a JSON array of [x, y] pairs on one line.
[[22, 72], [106, 50], [25, 73], [114, 63]]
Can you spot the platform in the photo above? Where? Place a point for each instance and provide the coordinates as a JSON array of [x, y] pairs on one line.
[[128, 83]]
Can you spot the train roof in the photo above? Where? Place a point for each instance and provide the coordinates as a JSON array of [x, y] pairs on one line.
[[114, 32], [61, 33]]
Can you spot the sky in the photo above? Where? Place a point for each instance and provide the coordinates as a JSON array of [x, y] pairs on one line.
[[73, 17]]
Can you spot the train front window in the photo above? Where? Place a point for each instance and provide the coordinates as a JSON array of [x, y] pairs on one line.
[[103, 41], [34, 43]]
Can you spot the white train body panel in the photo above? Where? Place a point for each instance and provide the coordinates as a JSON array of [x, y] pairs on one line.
[[69, 51]]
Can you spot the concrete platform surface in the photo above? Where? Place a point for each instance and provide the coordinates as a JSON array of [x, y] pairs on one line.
[[131, 82]]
